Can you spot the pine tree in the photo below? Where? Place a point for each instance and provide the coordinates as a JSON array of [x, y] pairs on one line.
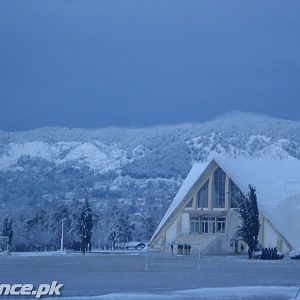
[[248, 210], [7, 231], [85, 226]]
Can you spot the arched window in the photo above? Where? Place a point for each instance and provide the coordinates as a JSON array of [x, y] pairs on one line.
[[219, 189], [203, 196]]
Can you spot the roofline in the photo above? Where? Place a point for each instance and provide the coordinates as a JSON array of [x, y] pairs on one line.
[[259, 209], [178, 206], [228, 173]]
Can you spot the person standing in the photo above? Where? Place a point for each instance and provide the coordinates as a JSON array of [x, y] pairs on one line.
[[250, 253]]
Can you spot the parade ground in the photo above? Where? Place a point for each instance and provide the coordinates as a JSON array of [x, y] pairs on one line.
[[110, 276]]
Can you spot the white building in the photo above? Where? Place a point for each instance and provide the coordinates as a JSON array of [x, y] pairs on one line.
[[203, 213]]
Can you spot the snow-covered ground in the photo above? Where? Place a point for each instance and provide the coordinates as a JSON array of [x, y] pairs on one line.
[[227, 293], [121, 276], [43, 253], [68, 253]]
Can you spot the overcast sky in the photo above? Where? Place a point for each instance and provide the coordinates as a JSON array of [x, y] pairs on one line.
[[85, 63]]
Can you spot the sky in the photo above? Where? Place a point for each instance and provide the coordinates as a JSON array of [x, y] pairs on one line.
[[98, 63]]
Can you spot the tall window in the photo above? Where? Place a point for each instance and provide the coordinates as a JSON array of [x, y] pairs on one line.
[[234, 193], [203, 196], [195, 224], [219, 189], [208, 225], [221, 225]]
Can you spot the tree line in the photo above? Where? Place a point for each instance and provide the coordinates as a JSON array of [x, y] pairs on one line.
[[84, 227]]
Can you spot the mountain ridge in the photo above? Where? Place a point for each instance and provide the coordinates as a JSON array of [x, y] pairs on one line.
[[139, 168]]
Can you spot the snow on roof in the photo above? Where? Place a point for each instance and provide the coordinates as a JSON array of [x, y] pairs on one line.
[[190, 180], [277, 184], [287, 218]]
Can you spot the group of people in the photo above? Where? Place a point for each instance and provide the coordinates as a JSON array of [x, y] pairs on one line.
[[265, 254], [269, 253], [182, 249]]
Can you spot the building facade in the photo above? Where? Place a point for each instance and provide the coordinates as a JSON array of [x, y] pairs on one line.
[[204, 212]]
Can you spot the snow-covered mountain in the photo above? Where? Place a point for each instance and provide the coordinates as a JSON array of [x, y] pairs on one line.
[[145, 165]]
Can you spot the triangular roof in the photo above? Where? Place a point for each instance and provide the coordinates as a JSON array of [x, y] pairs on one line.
[[190, 180], [277, 184]]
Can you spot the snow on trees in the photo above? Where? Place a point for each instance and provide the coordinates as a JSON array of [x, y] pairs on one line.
[[149, 226], [85, 226], [248, 210], [7, 231], [120, 229]]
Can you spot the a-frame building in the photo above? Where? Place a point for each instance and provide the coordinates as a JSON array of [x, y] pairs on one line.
[[203, 213]]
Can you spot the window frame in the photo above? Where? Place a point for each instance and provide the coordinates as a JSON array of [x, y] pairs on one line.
[[218, 189], [189, 205], [223, 222], [195, 221], [233, 189], [208, 225], [206, 187]]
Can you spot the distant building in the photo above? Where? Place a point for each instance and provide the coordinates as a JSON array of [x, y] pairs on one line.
[[204, 215]]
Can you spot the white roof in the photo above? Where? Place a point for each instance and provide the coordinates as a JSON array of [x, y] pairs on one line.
[[190, 180], [277, 184], [287, 218]]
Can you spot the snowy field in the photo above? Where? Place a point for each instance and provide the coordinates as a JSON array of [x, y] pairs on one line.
[[123, 276]]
